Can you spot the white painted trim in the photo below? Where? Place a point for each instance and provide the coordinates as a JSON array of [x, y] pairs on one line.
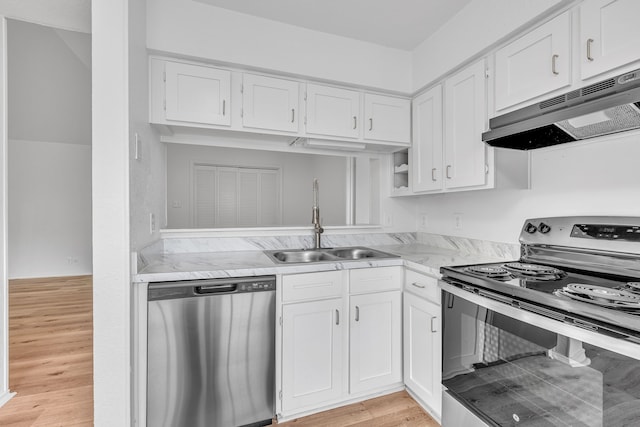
[[5, 397], [266, 231], [4, 282]]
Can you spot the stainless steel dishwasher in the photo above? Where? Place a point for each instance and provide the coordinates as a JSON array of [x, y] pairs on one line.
[[211, 352]]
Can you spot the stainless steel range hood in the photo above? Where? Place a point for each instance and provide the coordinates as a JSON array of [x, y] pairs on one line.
[[606, 107]]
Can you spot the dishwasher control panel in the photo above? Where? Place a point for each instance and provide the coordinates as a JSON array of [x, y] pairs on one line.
[[261, 285]]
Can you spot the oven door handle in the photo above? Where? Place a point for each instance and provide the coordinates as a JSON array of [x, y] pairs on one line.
[[515, 311]]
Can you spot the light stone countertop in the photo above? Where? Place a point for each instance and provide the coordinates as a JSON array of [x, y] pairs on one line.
[[209, 265]]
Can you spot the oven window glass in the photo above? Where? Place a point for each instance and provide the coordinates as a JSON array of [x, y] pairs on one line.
[[513, 373]]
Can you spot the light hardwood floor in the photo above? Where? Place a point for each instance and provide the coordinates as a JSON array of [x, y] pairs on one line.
[[393, 410], [50, 353], [51, 365]]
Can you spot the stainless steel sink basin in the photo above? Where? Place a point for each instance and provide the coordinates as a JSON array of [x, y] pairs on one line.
[[296, 256]]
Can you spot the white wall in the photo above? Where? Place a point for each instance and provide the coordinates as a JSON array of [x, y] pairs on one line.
[[192, 28], [474, 29], [583, 178], [49, 84], [297, 172], [49, 209]]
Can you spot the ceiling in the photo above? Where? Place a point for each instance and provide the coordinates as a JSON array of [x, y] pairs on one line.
[[400, 24]]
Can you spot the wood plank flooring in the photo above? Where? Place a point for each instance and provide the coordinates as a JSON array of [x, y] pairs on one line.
[[50, 353], [51, 365], [393, 410]]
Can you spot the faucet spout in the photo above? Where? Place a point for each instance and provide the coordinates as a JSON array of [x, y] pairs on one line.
[[315, 216]]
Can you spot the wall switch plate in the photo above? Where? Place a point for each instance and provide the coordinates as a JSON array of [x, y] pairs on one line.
[[457, 221], [137, 147]]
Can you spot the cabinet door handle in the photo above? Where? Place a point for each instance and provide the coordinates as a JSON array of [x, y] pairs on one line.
[[553, 64], [448, 170], [433, 328], [357, 313], [337, 317], [293, 114], [224, 106], [433, 175], [355, 122], [371, 124], [589, 43], [418, 285]]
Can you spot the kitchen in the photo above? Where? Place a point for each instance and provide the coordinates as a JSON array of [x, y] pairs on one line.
[[587, 178]]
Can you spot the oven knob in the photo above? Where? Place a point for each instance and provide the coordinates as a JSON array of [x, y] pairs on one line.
[[530, 228], [544, 228]]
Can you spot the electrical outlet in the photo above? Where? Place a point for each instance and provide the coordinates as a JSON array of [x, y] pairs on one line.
[[176, 204], [388, 220], [423, 221], [152, 223], [72, 260], [457, 221]]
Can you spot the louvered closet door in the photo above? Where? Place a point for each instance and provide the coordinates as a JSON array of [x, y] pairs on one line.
[[248, 195], [227, 192], [204, 195], [269, 199]]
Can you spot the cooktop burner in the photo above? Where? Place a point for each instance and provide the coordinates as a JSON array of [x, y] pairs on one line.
[[606, 297], [539, 272], [491, 271]]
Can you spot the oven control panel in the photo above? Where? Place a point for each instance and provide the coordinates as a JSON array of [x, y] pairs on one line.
[[606, 232]]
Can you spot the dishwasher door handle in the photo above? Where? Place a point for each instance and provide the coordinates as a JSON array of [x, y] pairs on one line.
[[215, 289]]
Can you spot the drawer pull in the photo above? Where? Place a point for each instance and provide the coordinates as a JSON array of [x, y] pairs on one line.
[[433, 328], [418, 285]]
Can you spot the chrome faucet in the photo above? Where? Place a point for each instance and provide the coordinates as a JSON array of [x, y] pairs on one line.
[[315, 215]]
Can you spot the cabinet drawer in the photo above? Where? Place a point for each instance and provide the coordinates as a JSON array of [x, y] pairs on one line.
[[375, 279], [422, 285], [298, 287]]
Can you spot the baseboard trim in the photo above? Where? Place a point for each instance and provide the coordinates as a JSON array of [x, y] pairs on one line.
[[5, 397]]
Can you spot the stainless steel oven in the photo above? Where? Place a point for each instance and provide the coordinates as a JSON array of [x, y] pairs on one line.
[[552, 339]]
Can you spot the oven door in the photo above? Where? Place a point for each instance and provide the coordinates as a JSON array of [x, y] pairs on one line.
[[511, 367]]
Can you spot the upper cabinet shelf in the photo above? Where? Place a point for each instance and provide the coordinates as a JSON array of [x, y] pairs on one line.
[[197, 96]]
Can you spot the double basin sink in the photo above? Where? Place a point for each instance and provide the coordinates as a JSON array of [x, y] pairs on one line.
[[297, 256]]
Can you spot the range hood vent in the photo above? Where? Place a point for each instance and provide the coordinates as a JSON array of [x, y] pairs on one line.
[[603, 108]]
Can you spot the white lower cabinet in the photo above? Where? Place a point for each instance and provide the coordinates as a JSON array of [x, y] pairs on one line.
[[327, 344], [422, 330], [376, 341], [312, 352]]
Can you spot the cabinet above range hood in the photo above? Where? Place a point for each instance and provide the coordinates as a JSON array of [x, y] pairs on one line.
[[603, 108]]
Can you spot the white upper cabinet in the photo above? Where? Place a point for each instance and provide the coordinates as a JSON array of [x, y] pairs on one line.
[[426, 151], [537, 63], [387, 118], [270, 103], [465, 117], [333, 112], [609, 35], [197, 94]]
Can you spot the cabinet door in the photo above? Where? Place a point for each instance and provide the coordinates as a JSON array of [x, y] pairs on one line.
[[311, 353], [375, 341], [197, 94], [332, 111], [465, 117], [387, 118], [609, 35], [426, 151], [269, 103], [537, 63], [422, 350]]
